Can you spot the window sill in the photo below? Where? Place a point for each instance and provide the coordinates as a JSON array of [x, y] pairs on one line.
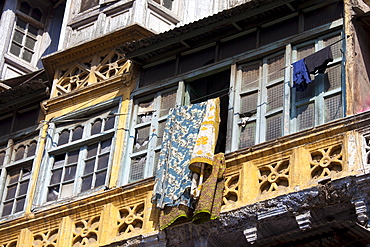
[[19, 63]]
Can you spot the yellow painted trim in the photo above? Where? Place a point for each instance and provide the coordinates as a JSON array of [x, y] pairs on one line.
[[36, 167]]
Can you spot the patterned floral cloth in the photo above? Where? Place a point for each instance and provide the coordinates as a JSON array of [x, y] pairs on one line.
[[210, 200], [189, 141], [208, 206], [204, 148], [205, 145], [173, 177]]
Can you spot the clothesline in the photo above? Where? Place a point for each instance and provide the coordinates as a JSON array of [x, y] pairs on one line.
[[278, 70]]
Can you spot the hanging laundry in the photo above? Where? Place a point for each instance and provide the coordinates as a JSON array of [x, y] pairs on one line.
[[318, 61], [188, 148], [207, 137], [173, 177], [312, 64], [208, 206], [301, 77], [205, 145]]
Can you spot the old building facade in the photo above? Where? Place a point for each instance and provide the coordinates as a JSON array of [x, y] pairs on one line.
[[86, 92]]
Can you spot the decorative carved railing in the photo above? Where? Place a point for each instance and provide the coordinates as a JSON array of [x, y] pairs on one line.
[[261, 174], [252, 175], [93, 70]]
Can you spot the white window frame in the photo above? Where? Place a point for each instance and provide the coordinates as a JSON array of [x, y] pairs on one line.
[[288, 112], [234, 119], [80, 118], [10, 163], [40, 25], [320, 94], [152, 150]]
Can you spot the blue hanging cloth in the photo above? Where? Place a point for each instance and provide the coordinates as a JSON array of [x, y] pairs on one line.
[[301, 77]]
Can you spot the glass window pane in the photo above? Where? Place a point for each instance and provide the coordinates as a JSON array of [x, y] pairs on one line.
[[275, 96], [11, 192], [161, 126], [14, 176], [63, 137], [56, 177], [86, 183], [19, 153], [168, 100], [77, 133], [105, 146], [335, 48], [67, 190], [305, 51], [18, 37], [69, 173], [25, 8], [53, 193], [275, 67], [7, 209], [92, 150], [247, 135], [32, 31], [274, 127], [21, 25], [168, 4], [137, 168], [20, 205], [251, 75], [73, 157], [100, 178], [31, 149], [248, 104], [333, 77], [306, 94], [141, 138], [85, 5], [30, 43], [103, 161], [26, 174], [27, 55], [109, 123], [145, 111], [89, 167], [305, 116], [15, 49], [59, 161], [36, 14], [23, 188], [333, 107], [96, 127]]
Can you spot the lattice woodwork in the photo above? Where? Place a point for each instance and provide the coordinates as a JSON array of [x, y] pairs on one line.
[[86, 232], [231, 190], [46, 239], [96, 69], [131, 219], [326, 162], [10, 244], [274, 177]]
